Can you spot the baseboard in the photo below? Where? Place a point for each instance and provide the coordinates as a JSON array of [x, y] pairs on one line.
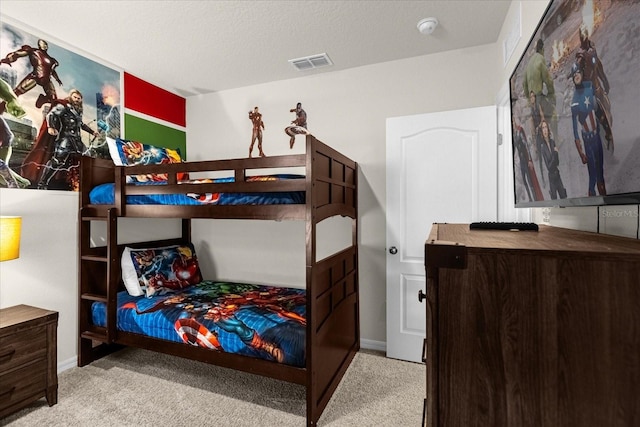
[[373, 345], [72, 362]]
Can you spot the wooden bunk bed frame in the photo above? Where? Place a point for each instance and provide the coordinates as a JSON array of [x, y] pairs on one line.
[[332, 303]]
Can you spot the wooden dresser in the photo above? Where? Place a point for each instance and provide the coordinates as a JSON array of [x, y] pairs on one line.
[[28, 357], [532, 328]]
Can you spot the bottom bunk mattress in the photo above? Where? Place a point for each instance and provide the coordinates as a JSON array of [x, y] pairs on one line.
[[266, 322]]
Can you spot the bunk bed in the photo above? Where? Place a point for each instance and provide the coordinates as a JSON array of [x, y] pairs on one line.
[[327, 188]]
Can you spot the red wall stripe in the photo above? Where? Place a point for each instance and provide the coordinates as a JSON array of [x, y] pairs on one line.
[[151, 100]]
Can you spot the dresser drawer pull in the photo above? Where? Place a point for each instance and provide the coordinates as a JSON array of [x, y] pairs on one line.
[[6, 354], [7, 392]]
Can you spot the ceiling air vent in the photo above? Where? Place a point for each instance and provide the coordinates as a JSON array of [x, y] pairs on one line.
[[311, 62]]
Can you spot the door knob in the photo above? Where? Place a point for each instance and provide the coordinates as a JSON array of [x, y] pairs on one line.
[[393, 250], [421, 295]]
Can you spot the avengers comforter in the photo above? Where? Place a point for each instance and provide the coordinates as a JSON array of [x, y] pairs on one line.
[[260, 321], [104, 194]]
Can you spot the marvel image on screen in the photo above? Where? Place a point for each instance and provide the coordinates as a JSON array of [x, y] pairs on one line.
[[575, 107]]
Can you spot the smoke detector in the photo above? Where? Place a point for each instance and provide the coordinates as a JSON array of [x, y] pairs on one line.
[[427, 25], [310, 62]]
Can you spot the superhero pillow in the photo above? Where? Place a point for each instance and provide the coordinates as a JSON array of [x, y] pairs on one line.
[[157, 271], [133, 153]]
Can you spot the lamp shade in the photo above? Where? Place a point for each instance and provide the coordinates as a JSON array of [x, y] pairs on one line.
[[9, 237]]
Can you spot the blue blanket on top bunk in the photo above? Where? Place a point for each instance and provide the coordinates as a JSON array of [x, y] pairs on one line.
[[104, 194]]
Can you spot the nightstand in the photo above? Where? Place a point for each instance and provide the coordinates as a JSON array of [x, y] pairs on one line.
[[28, 357]]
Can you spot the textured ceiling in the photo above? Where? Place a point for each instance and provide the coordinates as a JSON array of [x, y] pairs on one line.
[[195, 47]]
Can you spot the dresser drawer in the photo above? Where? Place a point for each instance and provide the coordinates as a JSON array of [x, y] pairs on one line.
[[23, 347], [22, 384]]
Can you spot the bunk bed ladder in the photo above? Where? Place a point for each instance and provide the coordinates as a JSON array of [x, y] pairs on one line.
[[98, 281]]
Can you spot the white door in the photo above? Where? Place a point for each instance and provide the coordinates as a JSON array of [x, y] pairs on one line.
[[441, 167]]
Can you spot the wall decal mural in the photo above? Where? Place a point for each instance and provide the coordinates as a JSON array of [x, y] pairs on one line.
[[56, 105]]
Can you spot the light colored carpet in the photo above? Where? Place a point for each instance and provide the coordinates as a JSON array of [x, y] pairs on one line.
[[140, 388]]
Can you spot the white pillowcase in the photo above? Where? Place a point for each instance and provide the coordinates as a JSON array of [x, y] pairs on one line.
[[113, 152], [129, 274]]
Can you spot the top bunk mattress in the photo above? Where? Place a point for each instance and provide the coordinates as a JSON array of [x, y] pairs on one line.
[[104, 194]]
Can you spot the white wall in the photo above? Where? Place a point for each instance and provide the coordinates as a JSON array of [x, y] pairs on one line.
[[45, 275]]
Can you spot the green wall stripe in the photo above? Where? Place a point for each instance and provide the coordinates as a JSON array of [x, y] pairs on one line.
[[141, 130]]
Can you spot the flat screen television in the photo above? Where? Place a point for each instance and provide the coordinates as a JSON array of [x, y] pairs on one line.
[[575, 107]]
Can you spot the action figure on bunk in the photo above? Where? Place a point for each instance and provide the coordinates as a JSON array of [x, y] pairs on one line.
[[298, 125], [256, 118]]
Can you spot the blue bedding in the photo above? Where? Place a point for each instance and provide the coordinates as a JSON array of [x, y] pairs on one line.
[[254, 320], [104, 194]]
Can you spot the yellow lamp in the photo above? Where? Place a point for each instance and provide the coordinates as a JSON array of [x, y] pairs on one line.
[[9, 237]]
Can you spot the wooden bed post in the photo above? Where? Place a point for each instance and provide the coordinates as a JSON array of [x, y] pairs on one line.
[[310, 238], [354, 242], [332, 283], [186, 229], [99, 267]]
